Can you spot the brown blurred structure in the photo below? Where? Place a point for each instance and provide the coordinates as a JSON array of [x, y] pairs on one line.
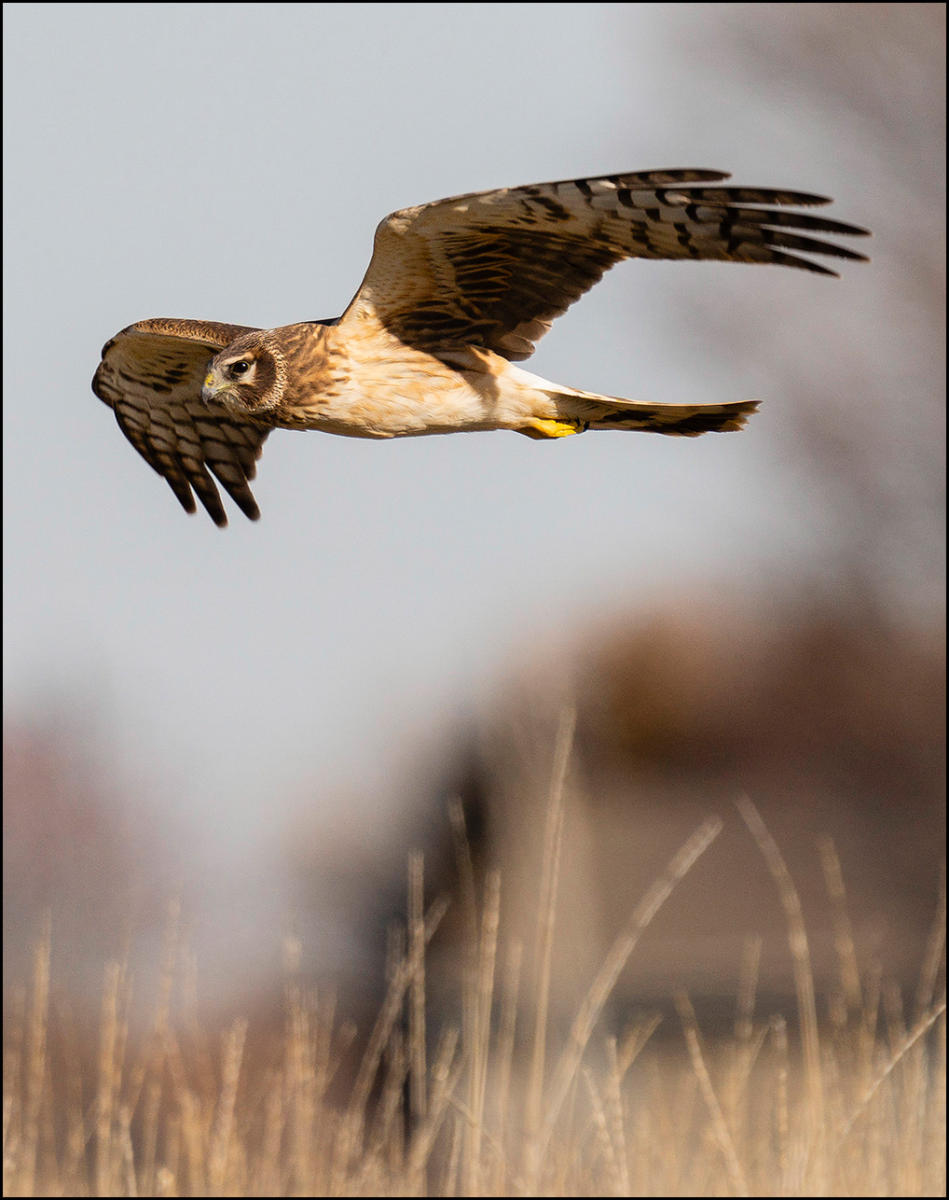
[[830, 720], [76, 853]]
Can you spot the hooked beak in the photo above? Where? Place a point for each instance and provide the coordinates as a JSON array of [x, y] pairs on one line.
[[211, 387]]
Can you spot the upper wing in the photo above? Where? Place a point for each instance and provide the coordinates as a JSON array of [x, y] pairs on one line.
[[495, 268], [151, 375]]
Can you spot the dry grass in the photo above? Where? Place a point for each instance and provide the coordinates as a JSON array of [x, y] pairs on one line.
[[498, 1102]]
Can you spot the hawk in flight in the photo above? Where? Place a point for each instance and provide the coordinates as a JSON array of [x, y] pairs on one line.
[[456, 293]]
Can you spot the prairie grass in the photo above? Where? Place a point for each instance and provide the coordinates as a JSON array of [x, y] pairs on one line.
[[500, 1097]]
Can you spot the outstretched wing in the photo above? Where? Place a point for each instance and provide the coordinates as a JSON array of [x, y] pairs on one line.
[[151, 375], [495, 268]]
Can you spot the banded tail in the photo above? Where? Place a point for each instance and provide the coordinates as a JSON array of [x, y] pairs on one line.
[[577, 411]]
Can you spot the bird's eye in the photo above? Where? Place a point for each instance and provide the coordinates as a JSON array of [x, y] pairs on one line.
[[239, 368]]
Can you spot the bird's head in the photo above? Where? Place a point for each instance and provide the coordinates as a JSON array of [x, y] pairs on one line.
[[248, 376]]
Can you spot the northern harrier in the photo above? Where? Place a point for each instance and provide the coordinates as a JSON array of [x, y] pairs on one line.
[[456, 292]]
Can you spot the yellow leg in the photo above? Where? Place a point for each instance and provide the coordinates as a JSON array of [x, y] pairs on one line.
[[551, 429]]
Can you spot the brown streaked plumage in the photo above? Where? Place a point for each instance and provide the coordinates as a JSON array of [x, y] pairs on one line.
[[457, 292]]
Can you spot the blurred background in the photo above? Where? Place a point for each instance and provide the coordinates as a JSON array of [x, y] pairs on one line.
[[265, 721]]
